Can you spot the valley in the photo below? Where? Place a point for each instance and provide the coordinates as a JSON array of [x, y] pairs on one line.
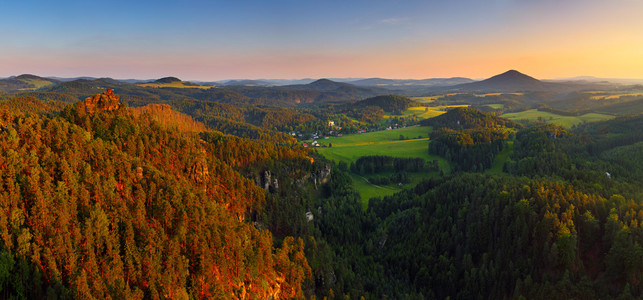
[[329, 150], [507, 187]]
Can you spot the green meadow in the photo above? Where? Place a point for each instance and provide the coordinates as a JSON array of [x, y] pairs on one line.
[[387, 142], [565, 121], [424, 112], [496, 106], [38, 83], [426, 99], [501, 158]]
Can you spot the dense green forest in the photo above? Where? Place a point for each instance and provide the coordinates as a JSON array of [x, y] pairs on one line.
[[388, 103], [468, 118], [567, 228], [470, 139], [185, 197]]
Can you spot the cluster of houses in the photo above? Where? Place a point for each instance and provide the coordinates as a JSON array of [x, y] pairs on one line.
[[313, 144], [315, 136]]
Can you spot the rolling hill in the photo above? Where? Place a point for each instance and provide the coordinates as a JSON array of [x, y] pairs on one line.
[[466, 118], [511, 80], [167, 80], [247, 82], [25, 82], [324, 85], [173, 82], [388, 103], [410, 83], [319, 91]]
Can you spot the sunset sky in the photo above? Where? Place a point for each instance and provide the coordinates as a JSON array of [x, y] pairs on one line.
[[214, 40]]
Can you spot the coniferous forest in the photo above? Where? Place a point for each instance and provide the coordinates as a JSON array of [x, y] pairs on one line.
[[325, 150], [103, 200]]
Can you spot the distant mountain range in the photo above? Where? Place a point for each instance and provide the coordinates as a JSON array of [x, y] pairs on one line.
[[592, 79], [401, 83], [309, 90]]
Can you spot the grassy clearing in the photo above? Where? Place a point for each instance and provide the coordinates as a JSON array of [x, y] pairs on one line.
[[447, 107], [350, 153], [424, 112], [615, 96], [377, 137], [176, 84], [565, 121], [611, 95], [496, 106], [37, 83], [501, 158], [349, 148], [368, 190], [427, 99], [421, 112], [498, 94]]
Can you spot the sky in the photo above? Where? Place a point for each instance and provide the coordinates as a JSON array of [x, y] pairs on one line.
[[216, 40]]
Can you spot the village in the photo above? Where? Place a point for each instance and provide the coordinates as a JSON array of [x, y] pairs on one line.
[[313, 140]]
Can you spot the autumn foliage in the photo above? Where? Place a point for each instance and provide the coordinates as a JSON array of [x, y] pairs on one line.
[[106, 204]]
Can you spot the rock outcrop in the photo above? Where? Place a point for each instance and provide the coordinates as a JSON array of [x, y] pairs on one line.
[[106, 101], [199, 169]]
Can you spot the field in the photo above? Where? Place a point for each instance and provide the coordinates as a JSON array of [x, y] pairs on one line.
[[38, 83], [565, 121], [498, 94], [426, 99], [423, 112], [349, 148], [501, 158], [609, 95], [496, 106]]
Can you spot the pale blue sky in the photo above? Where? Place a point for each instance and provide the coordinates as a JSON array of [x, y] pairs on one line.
[[210, 40]]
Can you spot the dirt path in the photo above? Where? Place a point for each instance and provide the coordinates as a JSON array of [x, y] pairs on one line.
[[375, 185]]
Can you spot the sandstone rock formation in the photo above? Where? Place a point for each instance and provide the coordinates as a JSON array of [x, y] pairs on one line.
[[106, 101]]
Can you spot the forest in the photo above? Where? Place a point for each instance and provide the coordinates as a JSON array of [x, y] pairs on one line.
[[184, 198]]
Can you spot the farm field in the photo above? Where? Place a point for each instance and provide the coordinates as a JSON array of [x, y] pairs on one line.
[[426, 112], [426, 99], [423, 112], [565, 121], [377, 137], [610, 95], [349, 148], [498, 94]]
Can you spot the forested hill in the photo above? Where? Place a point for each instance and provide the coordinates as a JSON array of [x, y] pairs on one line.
[[101, 203], [25, 82], [173, 89], [99, 199], [167, 80], [468, 118], [388, 103], [561, 222]]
